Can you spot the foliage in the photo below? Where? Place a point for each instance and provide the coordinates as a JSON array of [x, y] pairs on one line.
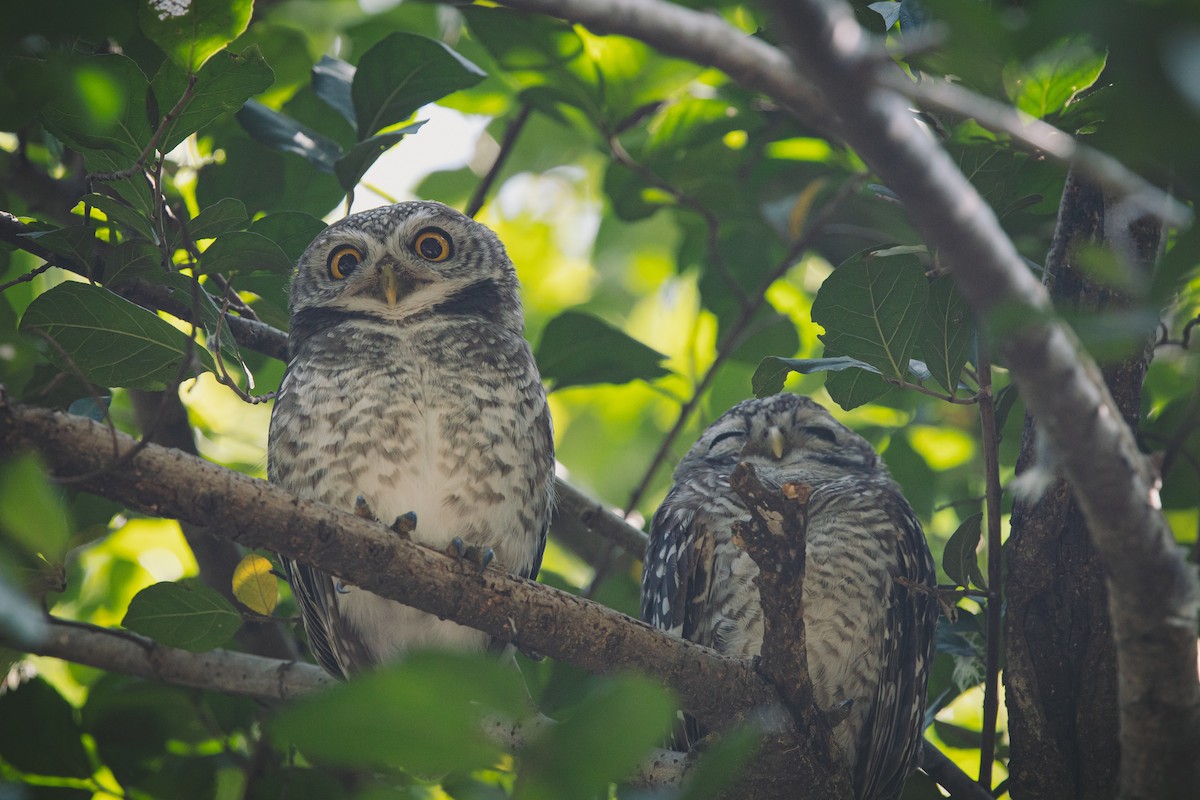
[[172, 168]]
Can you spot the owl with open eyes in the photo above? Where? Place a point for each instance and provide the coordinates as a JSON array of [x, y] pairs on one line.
[[869, 605], [410, 390]]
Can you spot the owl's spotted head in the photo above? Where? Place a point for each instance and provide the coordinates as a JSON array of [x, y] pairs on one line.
[[784, 432], [407, 260]]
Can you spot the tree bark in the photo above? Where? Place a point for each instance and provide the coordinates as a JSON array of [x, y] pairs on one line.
[[1061, 675]]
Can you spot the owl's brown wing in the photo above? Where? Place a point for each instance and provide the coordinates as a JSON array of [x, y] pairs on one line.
[[892, 735]]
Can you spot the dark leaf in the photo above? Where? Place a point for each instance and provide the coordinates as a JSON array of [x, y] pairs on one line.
[[946, 333], [103, 116], [284, 133], [870, 308], [131, 221], [31, 509], [187, 615], [960, 559], [332, 80], [22, 622], [77, 243], [852, 388], [720, 763], [190, 33], [402, 73], [579, 349], [225, 83], [229, 214], [39, 734], [291, 231], [421, 714], [358, 159], [244, 251], [113, 341]]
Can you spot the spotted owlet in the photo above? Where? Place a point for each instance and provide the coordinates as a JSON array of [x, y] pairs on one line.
[[410, 385], [869, 634]]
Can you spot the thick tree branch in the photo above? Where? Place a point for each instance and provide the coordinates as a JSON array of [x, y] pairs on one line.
[[1152, 590]]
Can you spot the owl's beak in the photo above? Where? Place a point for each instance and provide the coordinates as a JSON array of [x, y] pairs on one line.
[[390, 281], [775, 440]]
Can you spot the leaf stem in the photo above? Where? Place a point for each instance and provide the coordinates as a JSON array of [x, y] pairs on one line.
[[991, 467], [506, 147]]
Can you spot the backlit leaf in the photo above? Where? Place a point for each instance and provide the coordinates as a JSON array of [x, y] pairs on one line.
[[192, 31], [946, 332], [579, 349], [254, 584]]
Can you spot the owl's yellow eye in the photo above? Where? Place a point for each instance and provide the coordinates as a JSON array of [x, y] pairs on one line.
[[433, 244], [344, 260]]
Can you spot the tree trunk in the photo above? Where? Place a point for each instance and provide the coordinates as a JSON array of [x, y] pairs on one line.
[[1061, 668]]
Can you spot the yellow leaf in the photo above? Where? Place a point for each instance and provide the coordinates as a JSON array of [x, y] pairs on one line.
[[254, 584], [803, 207]]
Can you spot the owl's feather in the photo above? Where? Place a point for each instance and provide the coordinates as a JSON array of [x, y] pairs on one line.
[[869, 638], [428, 401]]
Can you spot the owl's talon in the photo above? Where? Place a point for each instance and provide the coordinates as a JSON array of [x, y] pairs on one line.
[[405, 524], [480, 556], [361, 509]]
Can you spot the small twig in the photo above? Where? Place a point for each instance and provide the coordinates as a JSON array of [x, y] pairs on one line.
[[506, 147], [27, 277], [948, 775], [991, 467], [222, 375], [916, 387]]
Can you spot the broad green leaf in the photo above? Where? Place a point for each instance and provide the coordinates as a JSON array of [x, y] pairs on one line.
[[422, 714], [39, 734], [103, 114], [402, 73], [22, 622], [1049, 81], [292, 231], [32, 512], [689, 121], [960, 559], [284, 133], [255, 585], [870, 308], [223, 86], [192, 31], [77, 243], [136, 259], [538, 52], [946, 333], [351, 167], [113, 341], [852, 388], [188, 615], [772, 371], [184, 292], [720, 763], [601, 742], [332, 80], [244, 251], [578, 349], [229, 214], [130, 220]]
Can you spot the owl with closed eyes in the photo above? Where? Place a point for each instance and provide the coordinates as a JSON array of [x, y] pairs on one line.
[[869, 608], [410, 390]]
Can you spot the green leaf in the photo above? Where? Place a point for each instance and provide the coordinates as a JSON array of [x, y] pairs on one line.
[[870, 308], [720, 763], [292, 231], [852, 388], [601, 742], [228, 214], [284, 133], [960, 559], [422, 714], [39, 734], [946, 332], [772, 371], [332, 80], [32, 512], [116, 211], [402, 73], [223, 86], [1049, 81], [188, 615], [181, 287], [113, 341], [538, 52], [191, 32], [578, 349], [76, 243], [244, 251], [103, 115], [351, 167], [133, 259]]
